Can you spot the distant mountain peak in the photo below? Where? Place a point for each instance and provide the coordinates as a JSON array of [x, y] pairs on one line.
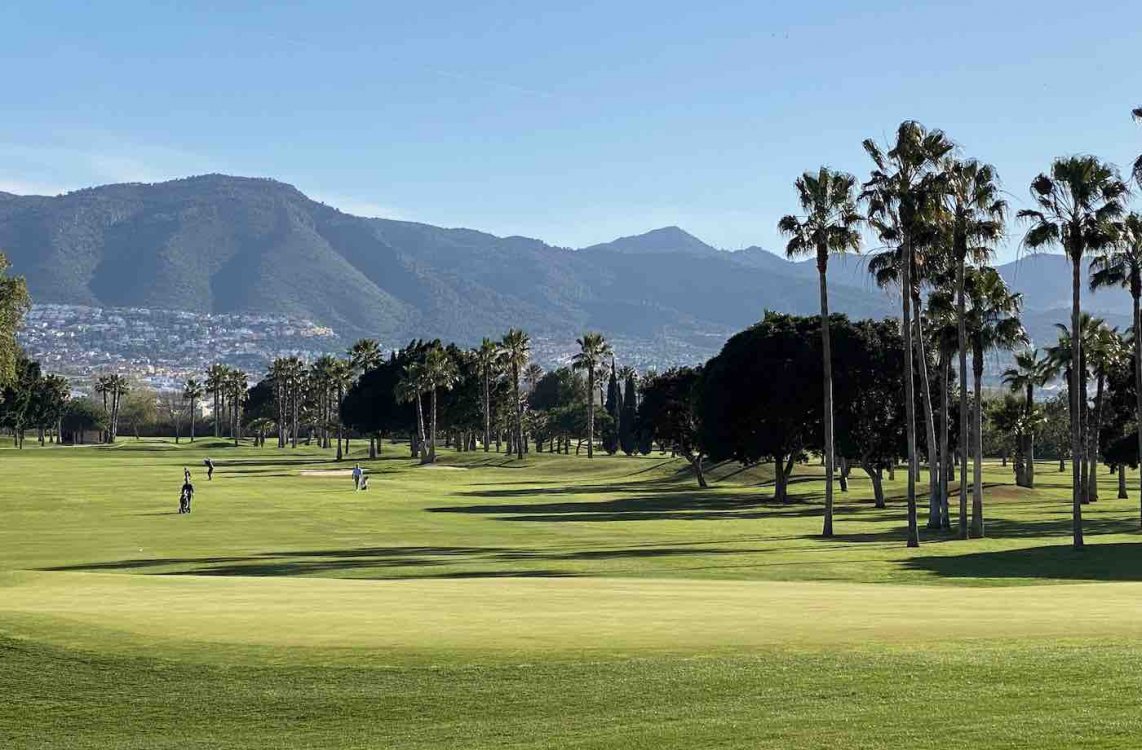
[[670, 239]]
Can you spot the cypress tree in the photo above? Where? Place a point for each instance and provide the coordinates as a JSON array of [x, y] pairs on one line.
[[614, 407], [628, 437]]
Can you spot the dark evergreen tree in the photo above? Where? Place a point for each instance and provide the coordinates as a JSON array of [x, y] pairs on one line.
[[628, 419], [610, 433]]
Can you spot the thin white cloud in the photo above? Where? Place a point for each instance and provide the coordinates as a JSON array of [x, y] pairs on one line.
[[59, 167], [356, 206], [21, 187]]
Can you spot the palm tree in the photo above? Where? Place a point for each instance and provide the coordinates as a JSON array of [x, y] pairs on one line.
[[976, 214], [192, 391], [365, 355], [515, 349], [900, 191], [1059, 357], [1077, 202], [236, 389], [993, 323], [215, 384], [1106, 353], [116, 387], [103, 388], [283, 374], [1032, 370], [439, 372], [1138, 162], [340, 378], [593, 349], [488, 356], [828, 226], [410, 389], [1120, 265], [532, 374]]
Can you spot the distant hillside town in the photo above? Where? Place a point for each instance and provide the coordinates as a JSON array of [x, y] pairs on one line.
[[162, 348]]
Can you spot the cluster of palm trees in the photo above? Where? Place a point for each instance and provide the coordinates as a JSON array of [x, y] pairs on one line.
[[939, 217], [502, 363], [434, 372], [112, 388], [228, 386]]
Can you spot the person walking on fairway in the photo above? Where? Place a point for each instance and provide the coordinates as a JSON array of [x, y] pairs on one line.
[[357, 474], [186, 494], [209, 469]]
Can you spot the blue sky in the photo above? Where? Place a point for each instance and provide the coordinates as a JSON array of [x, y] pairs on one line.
[[574, 122]]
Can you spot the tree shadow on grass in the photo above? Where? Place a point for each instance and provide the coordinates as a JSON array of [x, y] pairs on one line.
[[661, 506], [395, 562], [1121, 561]]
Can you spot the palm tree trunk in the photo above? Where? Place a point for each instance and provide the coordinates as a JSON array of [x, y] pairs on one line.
[[432, 430], [1122, 482], [1030, 472], [1092, 449], [1076, 415], [1138, 381], [929, 423], [962, 338], [192, 420], [945, 449], [340, 427], [590, 410], [977, 527], [519, 416], [909, 396], [487, 412], [827, 364]]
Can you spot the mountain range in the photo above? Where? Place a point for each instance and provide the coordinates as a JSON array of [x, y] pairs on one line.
[[217, 243]]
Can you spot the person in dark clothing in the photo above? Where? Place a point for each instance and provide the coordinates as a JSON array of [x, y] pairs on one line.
[[185, 495], [209, 469]]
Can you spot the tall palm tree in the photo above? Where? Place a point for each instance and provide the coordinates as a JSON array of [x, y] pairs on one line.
[[532, 374], [236, 388], [410, 390], [930, 253], [516, 349], [976, 213], [593, 349], [365, 355], [103, 388], [1120, 264], [1138, 162], [1106, 353], [1059, 355], [215, 384], [488, 357], [829, 225], [900, 191], [117, 387], [192, 391], [439, 371], [1078, 199], [942, 333], [993, 323], [1032, 370], [341, 377]]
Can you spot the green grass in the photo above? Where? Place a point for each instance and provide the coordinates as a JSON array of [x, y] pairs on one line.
[[552, 602]]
